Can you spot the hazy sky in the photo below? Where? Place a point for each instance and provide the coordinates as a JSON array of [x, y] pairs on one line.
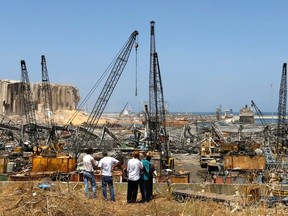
[[211, 52]]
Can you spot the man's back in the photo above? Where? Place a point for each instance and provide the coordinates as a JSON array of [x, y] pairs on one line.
[[106, 165], [146, 169], [89, 162], [134, 167]]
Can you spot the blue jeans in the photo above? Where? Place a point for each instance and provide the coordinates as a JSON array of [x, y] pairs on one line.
[[89, 177], [107, 180]]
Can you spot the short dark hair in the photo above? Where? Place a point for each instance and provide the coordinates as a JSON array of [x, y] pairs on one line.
[[148, 157], [104, 153], [89, 151]]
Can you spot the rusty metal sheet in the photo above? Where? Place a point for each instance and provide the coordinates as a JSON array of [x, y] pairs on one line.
[[244, 162], [57, 164]]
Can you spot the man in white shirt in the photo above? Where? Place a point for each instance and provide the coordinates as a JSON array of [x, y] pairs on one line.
[[134, 168], [107, 164], [88, 175]]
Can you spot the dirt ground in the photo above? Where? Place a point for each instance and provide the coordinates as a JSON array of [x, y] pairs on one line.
[[63, 199], [26, 198], [189, 162]]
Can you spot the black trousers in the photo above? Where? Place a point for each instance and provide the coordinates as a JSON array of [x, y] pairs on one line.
[[132, 191], [149, 189], [142, 184]]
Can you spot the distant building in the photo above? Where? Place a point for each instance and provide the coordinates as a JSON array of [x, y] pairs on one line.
[[64, 97], [246, 115], [228, 114]]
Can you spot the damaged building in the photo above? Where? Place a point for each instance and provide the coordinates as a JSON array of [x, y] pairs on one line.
[[64, 97]]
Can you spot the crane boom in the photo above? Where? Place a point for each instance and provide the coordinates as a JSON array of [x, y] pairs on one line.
[[109, 86], [46, 90], [28, 105], [281, 126], [259, 113], [156, 119], [266, 130], [157, 135], [28, 102]]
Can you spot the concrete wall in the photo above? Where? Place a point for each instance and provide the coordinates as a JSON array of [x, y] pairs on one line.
[[228, 189], [64, 97]]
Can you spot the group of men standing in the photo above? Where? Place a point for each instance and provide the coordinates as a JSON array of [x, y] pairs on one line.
[[139, 172], [106, 164]]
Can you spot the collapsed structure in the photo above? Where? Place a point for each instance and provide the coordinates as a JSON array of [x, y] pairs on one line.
[[65, 97], [225, 149]]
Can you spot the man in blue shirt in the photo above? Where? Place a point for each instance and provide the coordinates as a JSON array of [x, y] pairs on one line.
[[149, 182], [144, 177]]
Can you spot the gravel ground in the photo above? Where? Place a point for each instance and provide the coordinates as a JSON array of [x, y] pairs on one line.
[[189, 162]]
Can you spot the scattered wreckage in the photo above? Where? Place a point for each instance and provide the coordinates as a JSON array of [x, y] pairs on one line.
[[230, 153]]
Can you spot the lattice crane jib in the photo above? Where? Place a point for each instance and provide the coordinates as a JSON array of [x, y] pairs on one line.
[[115, 73], [152, 78], [28, 104], [156, 97], [281, 126], [47, 93], [259, 113], [266, 130], [27, 94]]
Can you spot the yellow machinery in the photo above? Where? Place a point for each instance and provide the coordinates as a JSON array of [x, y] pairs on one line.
[[208, 150], [50, 158], [60, 164], [244, 162]]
